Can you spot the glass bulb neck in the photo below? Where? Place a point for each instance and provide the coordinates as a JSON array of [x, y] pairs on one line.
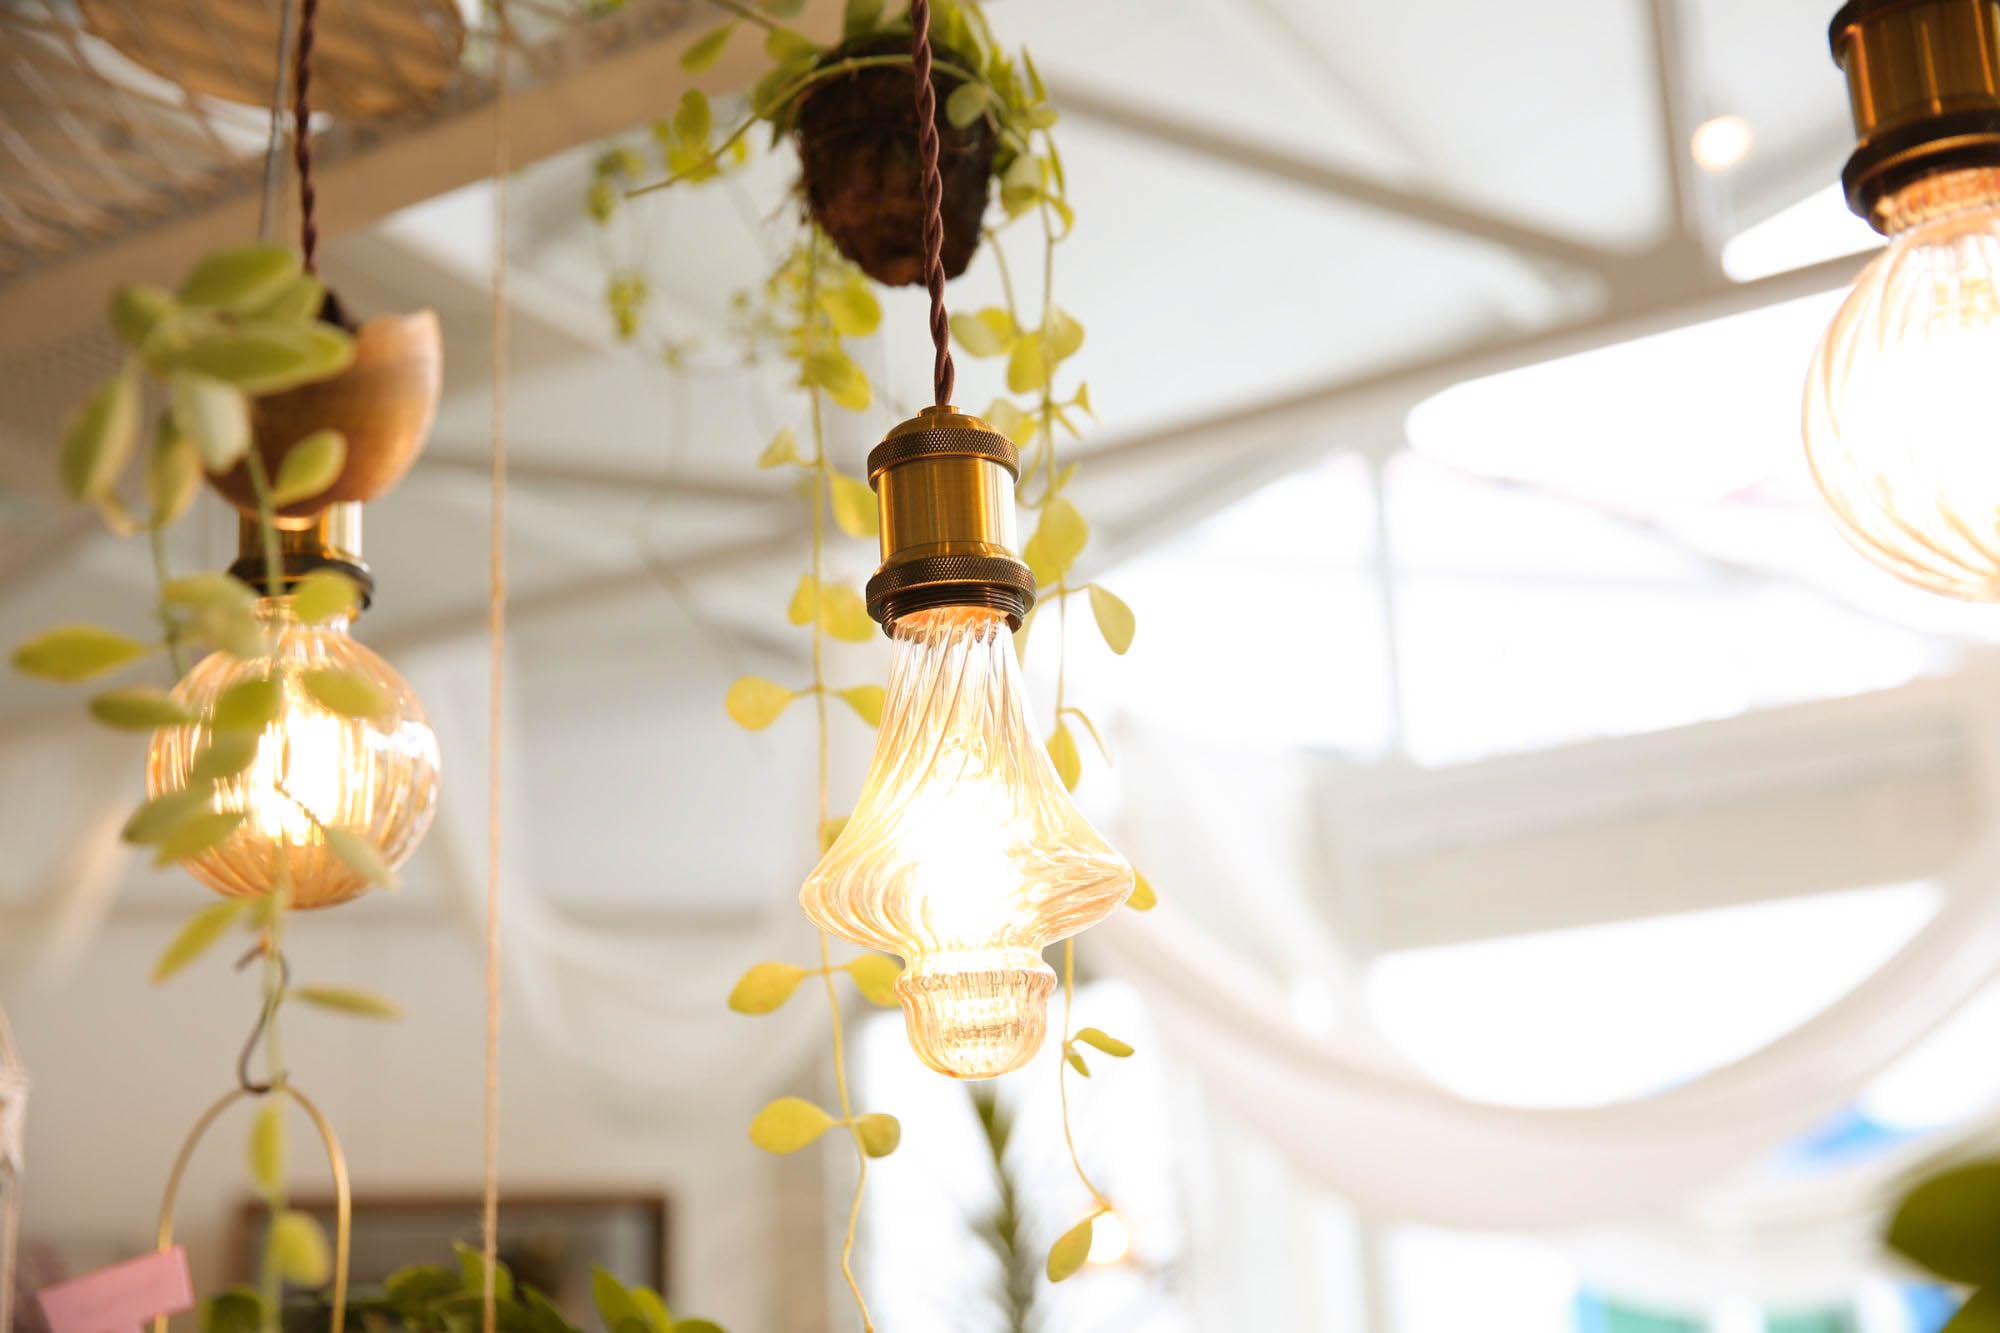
[[1934, 198]]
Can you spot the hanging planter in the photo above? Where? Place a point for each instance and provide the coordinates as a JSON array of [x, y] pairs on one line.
[[382, 404], [862, 174]]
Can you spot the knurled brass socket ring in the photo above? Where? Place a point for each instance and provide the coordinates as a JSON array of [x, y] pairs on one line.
[[944, 491]]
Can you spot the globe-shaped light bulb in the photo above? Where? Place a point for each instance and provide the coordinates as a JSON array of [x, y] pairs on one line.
[[315, 769], [1900, 425], [964, 855]]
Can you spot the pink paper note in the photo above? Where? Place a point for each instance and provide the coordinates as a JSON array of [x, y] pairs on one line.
[[121, 1298]]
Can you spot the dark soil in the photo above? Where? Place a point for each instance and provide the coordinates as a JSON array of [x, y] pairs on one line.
[[857, 139]]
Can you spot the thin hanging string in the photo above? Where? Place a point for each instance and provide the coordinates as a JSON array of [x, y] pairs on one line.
[[933, 184], [267, 204], [302, 134], [10, 1182], [496, 634]]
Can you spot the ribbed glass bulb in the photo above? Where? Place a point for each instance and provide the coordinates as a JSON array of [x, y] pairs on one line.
[[964, 856], [315, 769], [1900, 422]]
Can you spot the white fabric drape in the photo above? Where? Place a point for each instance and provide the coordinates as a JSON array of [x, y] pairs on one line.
[[1398, 1146]]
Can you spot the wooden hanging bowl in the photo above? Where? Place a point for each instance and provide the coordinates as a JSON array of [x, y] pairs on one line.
[[384, 403]]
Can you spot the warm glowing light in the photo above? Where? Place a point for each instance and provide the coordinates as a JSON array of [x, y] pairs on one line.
[[314, 769], [1110, 1240], [1721, 143], [964, 856], [1899, 419]]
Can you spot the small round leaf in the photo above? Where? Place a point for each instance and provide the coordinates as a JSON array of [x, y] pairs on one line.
[[139, 708], [299, 1249], [77, 652], [1114, 619], [875, 976], [755, 703], [1069, 1252], [879, 1133], [788, 1124], [309, 467], [1103, 1041], [203, 929], [765, 988]]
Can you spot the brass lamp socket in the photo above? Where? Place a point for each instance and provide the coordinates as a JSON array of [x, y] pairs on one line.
[[330, 540], [1923, 80], [944, 489]]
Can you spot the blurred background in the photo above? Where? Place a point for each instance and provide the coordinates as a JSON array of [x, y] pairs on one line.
[[1572, 858]]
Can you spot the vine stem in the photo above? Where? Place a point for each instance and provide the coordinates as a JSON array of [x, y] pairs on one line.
[[821, 489], [1062, 1079], [791, 90]]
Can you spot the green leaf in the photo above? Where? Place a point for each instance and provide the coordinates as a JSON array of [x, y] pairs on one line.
[[786, 47], [348, 1000], [361, 855], [1114, 619], [1062, 336], [323, 595], [698, 1326], [472, 1274], [232, 1310], [239, 279], [267, 357], [862, 16], [788, 1124], [212, 413], [852, 307], [157, 818], [879, 1133], [830, 831], [1950, 1224], [195, 835], [988, 332], [854, 507], [875, 977], [299, 301], [783, 448], [1027, 367], [708, 48], [865, 700], [137, 310], [267, 1149], [1069, 1252], [765, 988], [345, 693], [249, 705], [1980, 1314], [1104, 1042], [652, 1310], [845, 615], [1075, 1058], [173, 474], [754, 703], [203, 929], [837, 373], [417, 1287], [139, 708], [210, 590], [1062, 750], [783, 9], [1143, 898], [77, 652], [227, 754], [967, 103], [693, 120], [99, 437], [298, 1249], [309, 467], [1060, 536], [233, 629], [614, 1303]]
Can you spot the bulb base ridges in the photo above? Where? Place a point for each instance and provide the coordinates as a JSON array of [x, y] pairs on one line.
[[976, 1021]]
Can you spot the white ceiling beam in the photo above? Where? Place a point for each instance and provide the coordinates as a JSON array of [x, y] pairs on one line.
[[1875, 789], [1240, 153]]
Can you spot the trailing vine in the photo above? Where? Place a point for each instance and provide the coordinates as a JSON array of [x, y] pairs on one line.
[[805, 310], [245, 323]]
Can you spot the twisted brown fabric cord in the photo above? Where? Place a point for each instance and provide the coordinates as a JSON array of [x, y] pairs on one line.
[[933, 183], [302, 135]]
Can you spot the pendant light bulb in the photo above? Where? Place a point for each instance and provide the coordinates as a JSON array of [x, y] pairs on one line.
[[314, 769], [964, 856], [1898, 408], [1899, 404]]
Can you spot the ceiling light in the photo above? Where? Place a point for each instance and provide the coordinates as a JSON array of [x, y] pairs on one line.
[[1721, 143]]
